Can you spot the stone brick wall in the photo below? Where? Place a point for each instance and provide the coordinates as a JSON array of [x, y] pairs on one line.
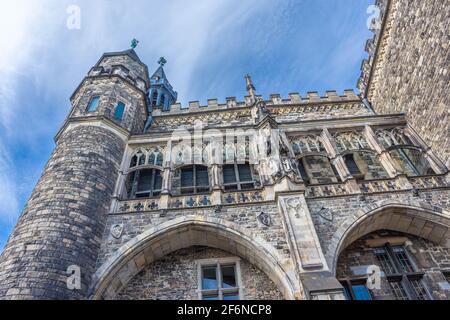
[[412, 71], [344, 209], [64, 219], [175, 277], [136, 223], [112, 92], [426, 256]]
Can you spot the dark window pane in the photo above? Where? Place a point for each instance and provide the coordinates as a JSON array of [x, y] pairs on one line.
[[206, 298], [145, 180], [351, 165], [361, 292], [209, 279], [228, 277], [151, 159], [229, 175], [234, 296], [302, 170], [187, 177], [399, 290], [245, 174], [386, 263], [133, 162], [93, 104], [231, 188], [202, 176], [248, 186], [158, 180], [419, 289], [159, 159], [347, 294], [120, 109], [155, 98], [403, 259]]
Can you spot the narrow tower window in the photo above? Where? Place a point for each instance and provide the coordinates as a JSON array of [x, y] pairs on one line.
[[352, 166], [155, 98], [163, 100], [120, 109], [93, 105]]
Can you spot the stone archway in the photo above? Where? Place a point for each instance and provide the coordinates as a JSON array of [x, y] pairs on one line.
[[186, 232], [415, 218]]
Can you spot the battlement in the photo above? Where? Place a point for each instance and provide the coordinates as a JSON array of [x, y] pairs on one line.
[[275, 100], [373, 46]]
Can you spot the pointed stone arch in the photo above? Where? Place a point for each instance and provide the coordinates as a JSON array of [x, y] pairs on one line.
[[413, 217], [185, 232]]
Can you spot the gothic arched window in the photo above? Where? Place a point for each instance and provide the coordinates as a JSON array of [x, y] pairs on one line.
[[93, 104], [162, 100], [155, 98], [411, 162]]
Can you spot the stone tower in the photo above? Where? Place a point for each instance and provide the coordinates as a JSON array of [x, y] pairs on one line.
[[64, 220], [162, 95]]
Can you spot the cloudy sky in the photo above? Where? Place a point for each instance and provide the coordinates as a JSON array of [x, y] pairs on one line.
[[286, 45]]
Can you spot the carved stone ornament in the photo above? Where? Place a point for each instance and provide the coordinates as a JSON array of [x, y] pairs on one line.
[[294, 206], [117, 231], [265, 219], [326, 214]]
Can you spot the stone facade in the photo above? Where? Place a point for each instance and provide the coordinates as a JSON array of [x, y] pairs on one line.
[[145, 200], [175, 277], [408, 69]]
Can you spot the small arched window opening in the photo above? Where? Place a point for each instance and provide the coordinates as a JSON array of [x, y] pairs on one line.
[[144, 183], [317, 170], [155, 98], [162, 100], [137, 160], [93, 104], [120, 109], [192, 179], [238, 177]]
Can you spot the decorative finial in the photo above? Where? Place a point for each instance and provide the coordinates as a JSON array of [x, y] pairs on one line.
[[162, 61], [134, 43], [250, 87]]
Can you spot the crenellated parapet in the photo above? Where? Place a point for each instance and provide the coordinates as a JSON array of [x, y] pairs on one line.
[[376, 47]]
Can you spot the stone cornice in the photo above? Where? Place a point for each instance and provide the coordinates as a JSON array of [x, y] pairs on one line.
[[292, 127], [98, 121]]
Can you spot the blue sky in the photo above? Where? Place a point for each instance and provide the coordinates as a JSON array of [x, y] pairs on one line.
[[286, 45]]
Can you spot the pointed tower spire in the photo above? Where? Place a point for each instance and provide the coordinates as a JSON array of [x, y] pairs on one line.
[[161, 92], [250, 87]]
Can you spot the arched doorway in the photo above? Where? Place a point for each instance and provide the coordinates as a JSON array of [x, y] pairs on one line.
[[394, 238]]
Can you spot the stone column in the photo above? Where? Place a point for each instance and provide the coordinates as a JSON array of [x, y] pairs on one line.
[[383, 155], [338, 161], [304, 243]]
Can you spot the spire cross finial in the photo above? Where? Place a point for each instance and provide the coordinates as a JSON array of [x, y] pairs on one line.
[[162, 61], [134, 43]]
